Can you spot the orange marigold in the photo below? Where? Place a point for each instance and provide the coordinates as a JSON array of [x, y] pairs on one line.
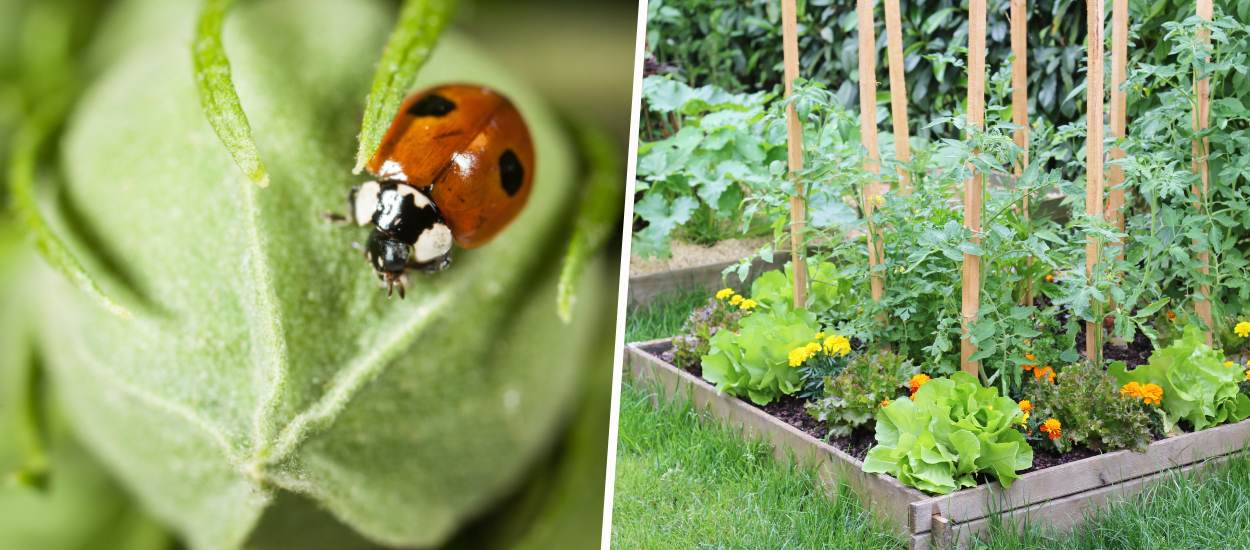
[[885, 402], [1131, 389], [1051, 427], [1151, 394], [1045, 372], [917, 381], [1026, 406]]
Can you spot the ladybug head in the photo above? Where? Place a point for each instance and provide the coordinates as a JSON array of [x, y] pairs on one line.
[[389, 258]]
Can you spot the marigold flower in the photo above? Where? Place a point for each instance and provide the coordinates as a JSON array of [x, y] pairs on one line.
[[1044, 372], [748, 304], [1131, 389], [812, 348], [820, 335], [737, 299], [1230, 364], [798, 356], [1151, 394], [917, 381], [1030, 357], [1052, 428], [885, 402], [724, 293], [1171, 315], [1050, 278], [1027, 367], [1242, 329], [1026, 406], [837, 345], [1247, 374], [1024, 419]]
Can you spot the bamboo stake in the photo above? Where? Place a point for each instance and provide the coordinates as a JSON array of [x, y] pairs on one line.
[[1020, 106], [794, 150], [1202, 115], [974, 186], [1119, 106], [868, 136], [1094, 163], [898, 92]]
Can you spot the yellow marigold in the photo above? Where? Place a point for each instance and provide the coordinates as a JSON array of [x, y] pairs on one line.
[[748, 304], [1230, 364], [737, 299], [1131, 389], [812, 348], [1242, 329], [885, 402], [917, 381], [1247, 374], [1024, 419], [1151, 394], [1052, 428], [798, 356], [837, 345], [724, 293], [1026, 406], [820, 335]]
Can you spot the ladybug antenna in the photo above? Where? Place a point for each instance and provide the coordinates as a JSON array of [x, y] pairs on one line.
[[390, 286]]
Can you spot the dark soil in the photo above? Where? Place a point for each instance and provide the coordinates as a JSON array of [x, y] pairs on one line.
[[1133, 353], [791, 410]]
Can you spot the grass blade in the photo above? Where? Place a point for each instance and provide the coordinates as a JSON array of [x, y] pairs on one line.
[[598, 213], [420, 24], [217, 94]]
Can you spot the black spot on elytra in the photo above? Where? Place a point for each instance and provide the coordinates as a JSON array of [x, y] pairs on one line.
[[511, 174], [432, 105]]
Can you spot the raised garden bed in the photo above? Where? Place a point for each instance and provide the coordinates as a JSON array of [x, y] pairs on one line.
[[643, 289], [1059, 496]]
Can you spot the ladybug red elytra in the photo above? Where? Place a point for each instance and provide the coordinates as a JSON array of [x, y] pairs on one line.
[[457, 164]]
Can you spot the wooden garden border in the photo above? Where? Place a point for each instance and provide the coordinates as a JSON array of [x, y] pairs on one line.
[[1058, 497], [643, 289]]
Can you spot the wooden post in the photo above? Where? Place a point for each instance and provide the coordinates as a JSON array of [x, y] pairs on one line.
[[1093, 162], [974, 186], [1202, 115], [868, 136], [794, 150], [1119, 106], [898, 92], [1020, 106]]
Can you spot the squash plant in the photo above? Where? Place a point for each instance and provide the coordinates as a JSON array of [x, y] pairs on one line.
[[225, 353]]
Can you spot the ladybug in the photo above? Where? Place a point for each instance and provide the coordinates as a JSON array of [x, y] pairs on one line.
[[456, 165]]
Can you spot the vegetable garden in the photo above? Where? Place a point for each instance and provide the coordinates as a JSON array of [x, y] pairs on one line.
[[1102, 329]]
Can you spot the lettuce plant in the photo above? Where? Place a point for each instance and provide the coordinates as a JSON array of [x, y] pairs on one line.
[[852, 397], [952, 430], [754, 360], [827, 288], [1088, 402], [1197, 386]]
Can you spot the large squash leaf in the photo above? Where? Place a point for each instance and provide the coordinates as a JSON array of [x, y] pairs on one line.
[[271, 365]]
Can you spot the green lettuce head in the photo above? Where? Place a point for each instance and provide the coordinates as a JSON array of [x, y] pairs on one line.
[[954, 429], [755, 360], [1197, 386]]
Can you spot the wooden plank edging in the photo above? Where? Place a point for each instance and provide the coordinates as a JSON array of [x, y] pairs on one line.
[[1061, 493]]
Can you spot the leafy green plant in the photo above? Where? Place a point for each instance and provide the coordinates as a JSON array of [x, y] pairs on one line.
[[852, 397], [829, 289], [1094, 413], [754, 360], [694, 340], [954, 429], [1197, 386]]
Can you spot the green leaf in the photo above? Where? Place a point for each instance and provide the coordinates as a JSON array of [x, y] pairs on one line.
[[598, 214], [281, 374], [217, 92], [409, 47]]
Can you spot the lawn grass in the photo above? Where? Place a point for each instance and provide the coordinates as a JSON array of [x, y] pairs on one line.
[[684, 480], [664, 316]]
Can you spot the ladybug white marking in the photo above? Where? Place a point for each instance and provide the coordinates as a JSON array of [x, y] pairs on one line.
[[366, 202], [433, 243]]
